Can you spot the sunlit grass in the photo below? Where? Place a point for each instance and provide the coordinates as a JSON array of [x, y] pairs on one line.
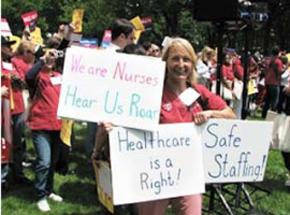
[[78, 188]]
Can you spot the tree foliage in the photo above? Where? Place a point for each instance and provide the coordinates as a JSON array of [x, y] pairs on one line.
[[171, 17]]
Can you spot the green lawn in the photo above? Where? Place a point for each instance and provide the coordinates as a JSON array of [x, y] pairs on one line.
[[78, 188]]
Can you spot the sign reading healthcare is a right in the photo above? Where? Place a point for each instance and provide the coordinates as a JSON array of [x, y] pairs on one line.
[[107, 86]]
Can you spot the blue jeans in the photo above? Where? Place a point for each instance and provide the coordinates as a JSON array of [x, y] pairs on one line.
[[18, 147], [4, 172], [46, 145]]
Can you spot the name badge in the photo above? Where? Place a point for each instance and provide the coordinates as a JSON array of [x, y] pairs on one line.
[[7, 66], [56, 80], [189, 96]]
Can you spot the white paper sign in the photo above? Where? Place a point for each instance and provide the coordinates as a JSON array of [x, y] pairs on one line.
[[5, 28], [155, 165], [235, 150], [107, 86]]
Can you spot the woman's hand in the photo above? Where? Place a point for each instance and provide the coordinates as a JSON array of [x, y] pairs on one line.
[[102, 133], [107, 126], [202, 117]]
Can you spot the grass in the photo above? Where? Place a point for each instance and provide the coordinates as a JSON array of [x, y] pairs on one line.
[[78, 188]]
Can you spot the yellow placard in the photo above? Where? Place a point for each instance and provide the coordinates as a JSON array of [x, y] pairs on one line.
[[252, 87], [136, 21], [15, 45], [65, 131], [36, 36], [77, 20], [137, 34]]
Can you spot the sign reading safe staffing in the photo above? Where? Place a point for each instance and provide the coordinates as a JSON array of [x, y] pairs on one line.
[[101, 85]]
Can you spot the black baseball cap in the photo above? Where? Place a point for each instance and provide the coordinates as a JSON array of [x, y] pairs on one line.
[[6, 42]]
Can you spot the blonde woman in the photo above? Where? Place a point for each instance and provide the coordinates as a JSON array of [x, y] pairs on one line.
[[205, 67], [180, 76]]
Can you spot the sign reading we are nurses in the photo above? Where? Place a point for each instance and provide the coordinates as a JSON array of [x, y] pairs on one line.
[[164, 163], [102, 85]]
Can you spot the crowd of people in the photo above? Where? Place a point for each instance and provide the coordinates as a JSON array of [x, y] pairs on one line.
[[37, 70]]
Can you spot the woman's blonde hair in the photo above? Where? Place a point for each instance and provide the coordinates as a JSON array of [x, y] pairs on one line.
[[185, 44], [25, 46], [207, 53]]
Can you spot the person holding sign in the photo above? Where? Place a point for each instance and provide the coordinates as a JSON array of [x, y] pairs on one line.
[[44, 87], [183, 100]]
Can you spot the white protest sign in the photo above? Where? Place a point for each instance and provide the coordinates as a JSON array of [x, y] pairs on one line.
[[235, 150], [5, 28], [155, 165], [107, 86]]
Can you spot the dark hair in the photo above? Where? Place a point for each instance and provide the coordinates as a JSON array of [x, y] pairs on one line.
[[134, 49], [121, 26], [275, 50], [147, 45]]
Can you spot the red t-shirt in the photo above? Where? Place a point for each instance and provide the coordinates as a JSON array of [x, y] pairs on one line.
[[43, 111], [174, 110], [20, 69], [238, 69], [271, 77], [227, 72]]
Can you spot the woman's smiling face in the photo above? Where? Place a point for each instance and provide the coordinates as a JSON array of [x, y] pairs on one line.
[[179, 64]]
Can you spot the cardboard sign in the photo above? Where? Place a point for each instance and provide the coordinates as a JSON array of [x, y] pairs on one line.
[[77, 20], [231, 152], [15, 45], [154, 165], [66, 131], [252, 87], [36, 36], [5, 28], [89, 42], [139, 28], [104, 184], [29, 17], [107, 38], [235, 150], [75, 39], [137, 22], [166, 41], [100, 85]]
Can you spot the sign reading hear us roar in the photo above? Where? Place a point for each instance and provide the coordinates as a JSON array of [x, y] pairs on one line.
[[101, 85]]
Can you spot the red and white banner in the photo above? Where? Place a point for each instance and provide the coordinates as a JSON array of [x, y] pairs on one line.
[[29, 17], [5, 28]]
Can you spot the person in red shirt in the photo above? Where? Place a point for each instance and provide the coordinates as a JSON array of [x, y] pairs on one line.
[[180, 61], [44, 84], [22, 62], [227, 79], [6, 130], [272, 82]]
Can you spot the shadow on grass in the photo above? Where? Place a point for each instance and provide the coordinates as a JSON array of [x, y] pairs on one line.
[[23, 192], [77, 192]]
